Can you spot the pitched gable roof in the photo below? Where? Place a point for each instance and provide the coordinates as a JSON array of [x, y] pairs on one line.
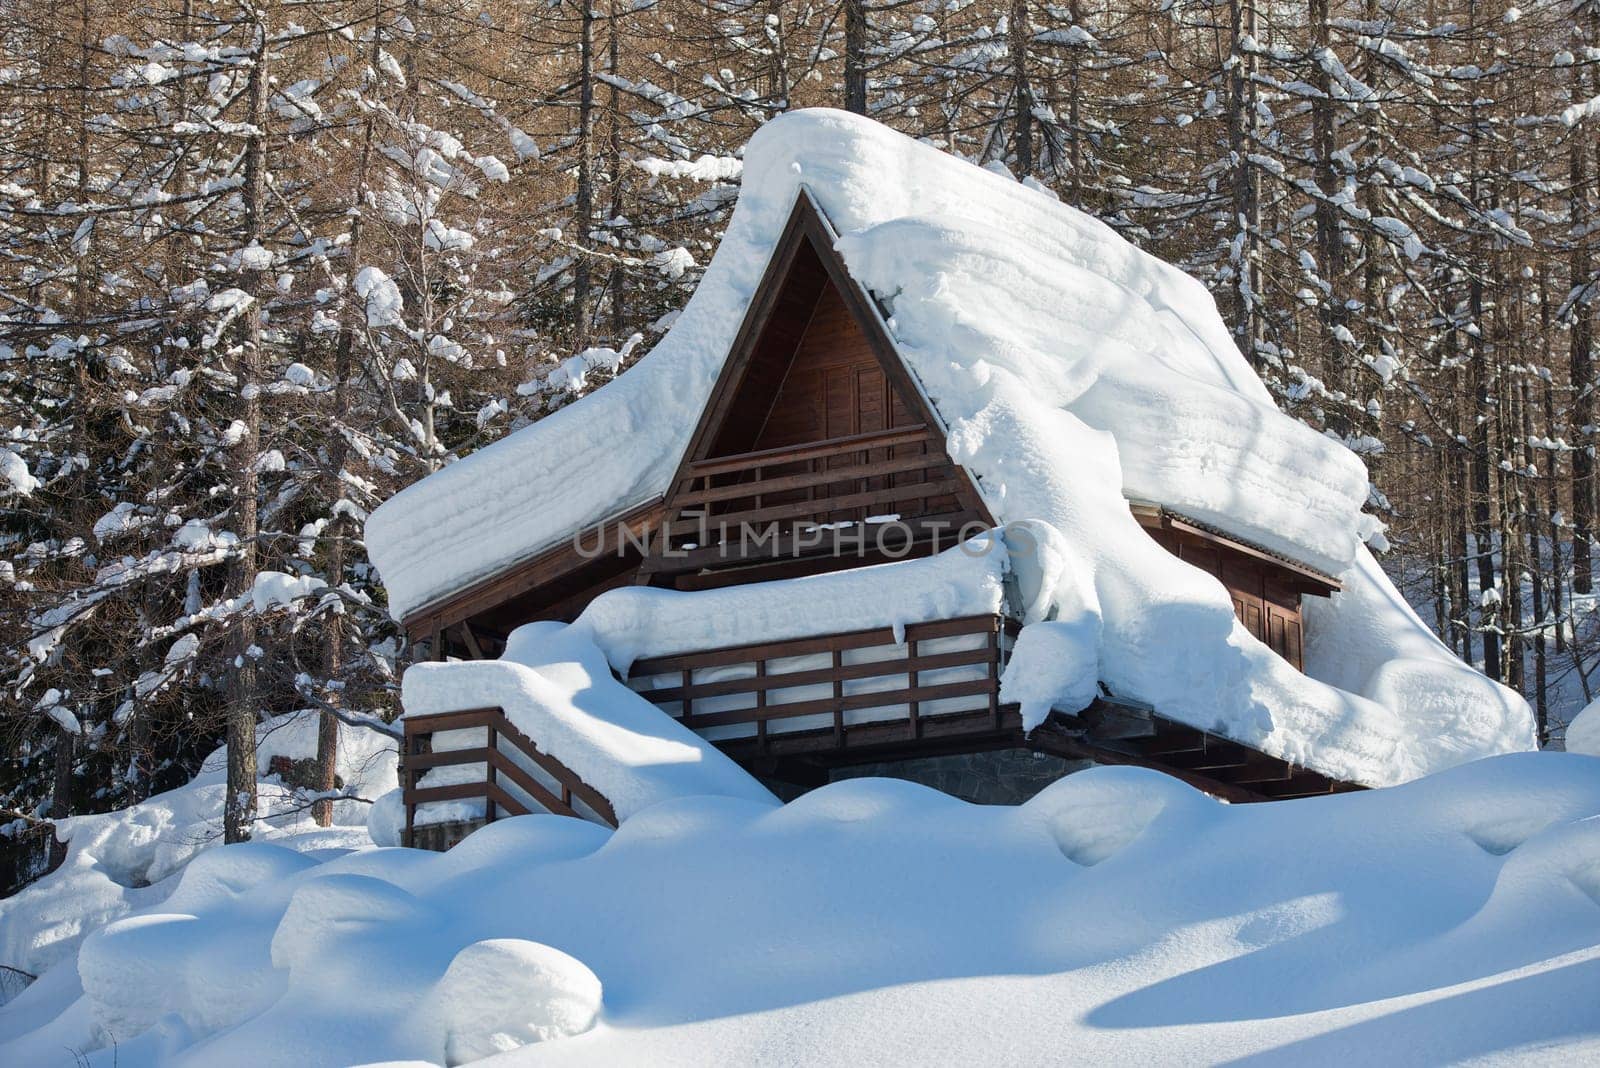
[[1073, 371]]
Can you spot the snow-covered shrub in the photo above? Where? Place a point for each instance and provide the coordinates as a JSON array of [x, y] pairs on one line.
[[508, 992]]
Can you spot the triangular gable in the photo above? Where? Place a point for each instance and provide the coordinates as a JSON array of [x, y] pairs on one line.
[[803, 268], [813, 366]]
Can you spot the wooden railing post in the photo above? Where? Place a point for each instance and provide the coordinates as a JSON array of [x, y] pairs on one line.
[[761, 703], [493, 748], [408, 783], [914, 707], [994, 671], [838, 697]]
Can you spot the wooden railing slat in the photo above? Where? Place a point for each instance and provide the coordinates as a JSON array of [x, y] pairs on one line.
[[784, 648], [762, 683], [845, 703], [420, 729], [874, 439], [821, 643], [436, 722], [781, 483], [869, 499]]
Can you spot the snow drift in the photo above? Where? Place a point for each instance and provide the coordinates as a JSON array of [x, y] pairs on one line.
[[555, 685], [1120, 916]]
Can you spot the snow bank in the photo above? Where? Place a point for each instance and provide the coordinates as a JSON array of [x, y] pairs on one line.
[[505, 993], [1583, 733], [554, 683], [1119, 917], [134, 858], [1072, 371]]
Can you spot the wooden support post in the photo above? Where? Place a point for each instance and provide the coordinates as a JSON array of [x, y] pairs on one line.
[[994, 671], [838, 698], [472, 641], [408, 781], [492, 747], [761, 705], [912, 710]]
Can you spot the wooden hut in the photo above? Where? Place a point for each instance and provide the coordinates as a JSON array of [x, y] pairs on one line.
[[817, 449]]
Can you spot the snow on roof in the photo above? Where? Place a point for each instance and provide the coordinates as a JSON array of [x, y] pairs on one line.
[[982, 277], [1073, 371]]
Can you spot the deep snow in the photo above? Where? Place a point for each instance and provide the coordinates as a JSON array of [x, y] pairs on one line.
[[118, 862], [1072, 372], [1120, 917]]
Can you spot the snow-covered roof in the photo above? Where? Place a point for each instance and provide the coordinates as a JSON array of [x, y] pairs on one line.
[[1072, 371]]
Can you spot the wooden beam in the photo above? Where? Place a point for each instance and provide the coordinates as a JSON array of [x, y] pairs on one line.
[[788, 454], [1155, 517], [472, 641]]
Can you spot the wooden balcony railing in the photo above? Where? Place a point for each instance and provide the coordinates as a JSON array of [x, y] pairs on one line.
[[786, 494], [518, 777], [832, 691]]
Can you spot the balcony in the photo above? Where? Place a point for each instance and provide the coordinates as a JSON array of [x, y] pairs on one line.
[[887, 493], [837, 692]]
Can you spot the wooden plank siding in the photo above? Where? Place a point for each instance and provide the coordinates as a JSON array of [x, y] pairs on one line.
[[1265, 591]]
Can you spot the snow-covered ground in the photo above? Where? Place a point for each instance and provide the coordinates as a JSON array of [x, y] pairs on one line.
[[1120, 917], [122, 861]]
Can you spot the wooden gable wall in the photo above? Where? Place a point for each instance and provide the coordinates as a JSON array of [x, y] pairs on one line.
[[817, 417], [836, 388]]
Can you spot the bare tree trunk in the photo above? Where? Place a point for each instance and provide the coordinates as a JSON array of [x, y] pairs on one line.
[[1483, 514], [1580, 213], [1536, 575], [617, 288], [855, 56], [1243, 135], [327, 771], [1461, 502], [1075, 112], [239, 809], [778, 65], [1330, 246], [584, 205], [1021, 88], [1552, 525], [1511, 509]]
